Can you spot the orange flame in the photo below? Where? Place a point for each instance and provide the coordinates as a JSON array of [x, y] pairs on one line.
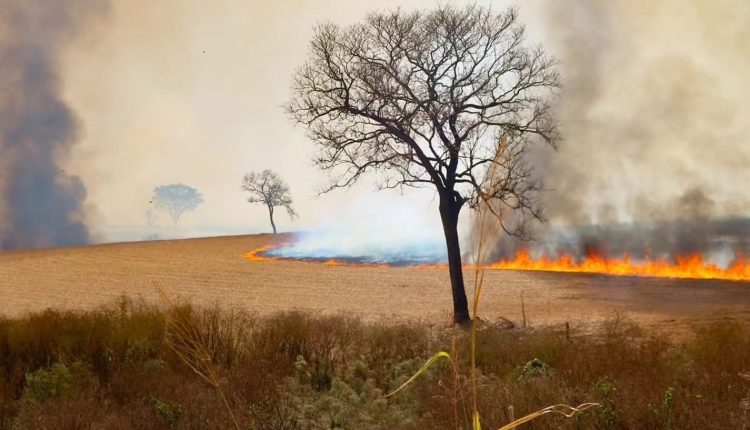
[[254, 255], [690, 266], [334, 262], [257, 255]]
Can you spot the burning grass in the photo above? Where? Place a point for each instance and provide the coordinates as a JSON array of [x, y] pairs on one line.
[[113, 368], [690, 266], [262, 254]]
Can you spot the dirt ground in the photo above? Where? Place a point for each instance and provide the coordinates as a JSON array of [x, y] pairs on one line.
[[212, 270]]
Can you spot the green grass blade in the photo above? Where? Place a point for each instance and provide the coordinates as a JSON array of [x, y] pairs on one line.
[[475, 422], [430, 362]]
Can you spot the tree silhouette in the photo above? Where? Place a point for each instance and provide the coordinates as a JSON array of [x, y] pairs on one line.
[[268, 188], [176, 199], [431, 99]]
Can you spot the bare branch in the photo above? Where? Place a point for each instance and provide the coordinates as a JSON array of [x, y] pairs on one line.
[[423, 98], [268, 188]]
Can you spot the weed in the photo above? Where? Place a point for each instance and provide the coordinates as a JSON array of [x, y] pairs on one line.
[[171, 412]]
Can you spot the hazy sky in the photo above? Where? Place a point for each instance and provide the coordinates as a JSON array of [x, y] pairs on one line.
[[191, 91]]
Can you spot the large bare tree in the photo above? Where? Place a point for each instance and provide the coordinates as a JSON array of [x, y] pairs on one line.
[[431, 99], [269, 189]]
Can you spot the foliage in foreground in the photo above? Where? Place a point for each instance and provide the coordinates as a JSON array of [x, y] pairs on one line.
[[112, 368]]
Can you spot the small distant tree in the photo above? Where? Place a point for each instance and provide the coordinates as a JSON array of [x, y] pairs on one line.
[[268, 188], [176, 199]]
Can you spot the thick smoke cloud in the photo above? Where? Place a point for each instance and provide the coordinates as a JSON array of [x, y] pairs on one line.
[[655, 114], [40, 204]]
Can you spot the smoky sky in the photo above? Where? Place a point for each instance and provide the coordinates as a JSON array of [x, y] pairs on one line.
[[654, 114], [654, 110], [654, 117], [40, 204]]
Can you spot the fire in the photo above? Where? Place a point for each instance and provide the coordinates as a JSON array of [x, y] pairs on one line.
[[259, 254], [335, 262], [256, 254], [690, 266]]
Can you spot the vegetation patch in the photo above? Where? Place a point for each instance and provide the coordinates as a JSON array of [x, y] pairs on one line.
[[114, 368]]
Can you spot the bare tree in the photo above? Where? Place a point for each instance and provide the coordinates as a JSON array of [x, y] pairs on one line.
[[176, 199], [429, 99], [268, 188]]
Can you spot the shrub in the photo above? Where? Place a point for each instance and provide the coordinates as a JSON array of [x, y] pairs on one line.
[[57, 380]]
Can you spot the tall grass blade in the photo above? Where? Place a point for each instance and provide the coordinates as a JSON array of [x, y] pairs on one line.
[[476, 424], [430, 362], [564, 410]]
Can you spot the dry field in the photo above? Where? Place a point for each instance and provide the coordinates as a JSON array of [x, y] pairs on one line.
[[213, 270]]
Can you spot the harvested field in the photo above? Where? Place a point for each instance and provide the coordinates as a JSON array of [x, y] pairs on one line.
[[212, 270]]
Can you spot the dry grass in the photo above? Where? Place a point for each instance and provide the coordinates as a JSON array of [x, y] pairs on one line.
[[112, 368], [198, 342], [212, 270]]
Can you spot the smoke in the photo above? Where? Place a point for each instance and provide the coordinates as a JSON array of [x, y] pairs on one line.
[[655, 115], [335, 244], [363, 232], [40, 204]]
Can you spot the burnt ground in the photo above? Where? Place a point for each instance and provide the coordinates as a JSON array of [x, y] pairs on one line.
[[213, 271]]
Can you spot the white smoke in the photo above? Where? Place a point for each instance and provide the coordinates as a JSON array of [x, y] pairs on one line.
[[383, 228]]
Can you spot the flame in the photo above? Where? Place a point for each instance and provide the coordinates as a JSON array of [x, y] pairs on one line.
[[335, 262], [256, 254], [691, 266], [259, 254]]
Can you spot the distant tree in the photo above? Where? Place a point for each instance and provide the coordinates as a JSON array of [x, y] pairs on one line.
[[431, 99], [176, 199], [268, 188]]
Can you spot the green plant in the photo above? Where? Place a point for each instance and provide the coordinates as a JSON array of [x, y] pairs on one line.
[[665, 413], [605, 390], [171, 412], [534, 369], [44, 384], [667, 404]]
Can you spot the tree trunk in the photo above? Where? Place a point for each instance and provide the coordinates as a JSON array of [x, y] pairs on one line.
[[270, 215], [449, 210]]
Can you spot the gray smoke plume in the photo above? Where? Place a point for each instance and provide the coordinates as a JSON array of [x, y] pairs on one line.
[[655, 116], [40, 205]]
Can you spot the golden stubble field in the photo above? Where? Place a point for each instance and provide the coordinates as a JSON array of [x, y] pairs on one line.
[[213, 271]]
